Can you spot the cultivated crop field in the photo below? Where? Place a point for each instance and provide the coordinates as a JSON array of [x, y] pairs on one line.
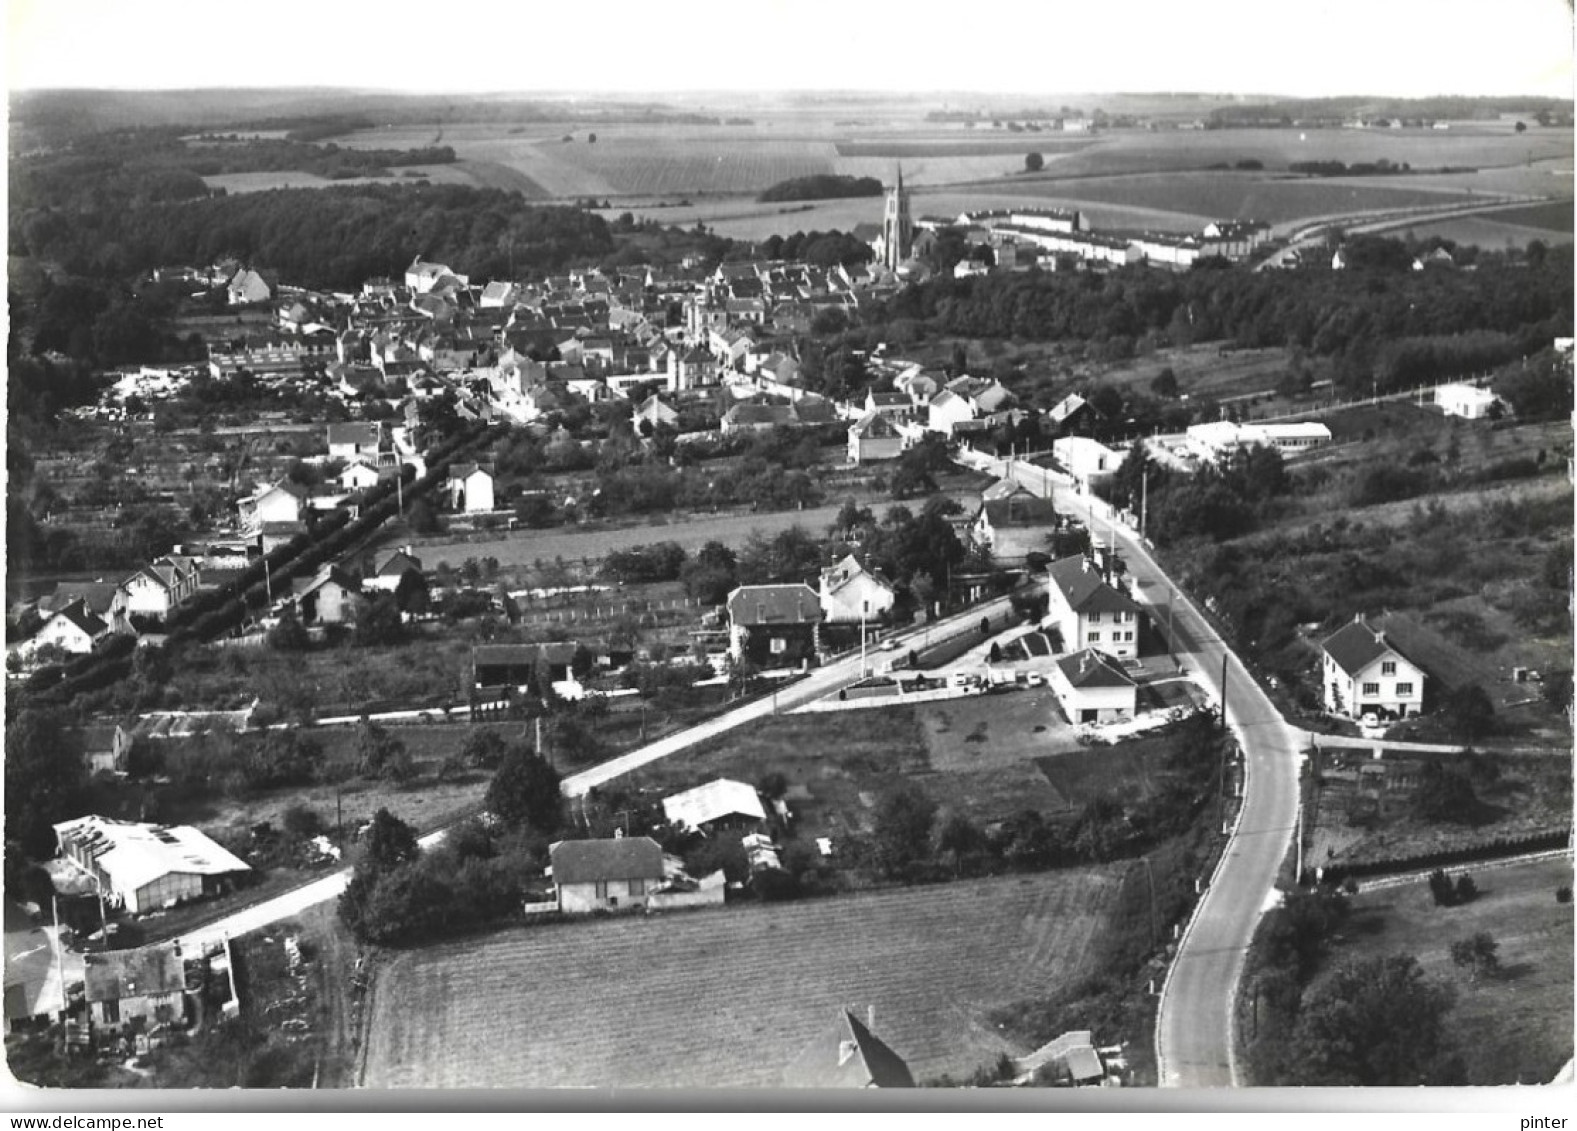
[[1515, 1027], [728, 998]]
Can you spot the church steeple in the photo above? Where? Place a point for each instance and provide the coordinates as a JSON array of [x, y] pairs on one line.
[[897, 229]]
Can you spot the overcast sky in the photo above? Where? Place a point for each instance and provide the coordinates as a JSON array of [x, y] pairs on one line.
[[1388, 47]]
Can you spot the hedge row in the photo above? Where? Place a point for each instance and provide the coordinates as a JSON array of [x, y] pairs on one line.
[[1445, 858]]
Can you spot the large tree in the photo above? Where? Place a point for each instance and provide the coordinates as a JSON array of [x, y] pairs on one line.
[[45, 779], [1375, 1022], [525, 791]]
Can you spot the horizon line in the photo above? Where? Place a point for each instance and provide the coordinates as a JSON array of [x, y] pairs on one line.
[[814, 92]]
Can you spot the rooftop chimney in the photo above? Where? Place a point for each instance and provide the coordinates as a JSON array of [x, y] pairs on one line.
[[870, 1017]]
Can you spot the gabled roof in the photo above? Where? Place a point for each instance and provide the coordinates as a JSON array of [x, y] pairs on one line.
[[1066, 407], [115, 975], [1019, 510], [1091, 668], [1002, 489], [712, 802], [1084, 590], [1357, 644], [77, 614], [98, 596], [835, 577], [463, 471], [134, 855], [889, 400], [874, 426], [618, 858], [302, 586], [751, 605], [849, 1055], [399, 562]]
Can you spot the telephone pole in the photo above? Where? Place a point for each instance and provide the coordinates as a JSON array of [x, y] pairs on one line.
[[1224, 692]]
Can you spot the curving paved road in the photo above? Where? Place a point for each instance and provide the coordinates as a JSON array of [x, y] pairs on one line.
[[1194, 1027]]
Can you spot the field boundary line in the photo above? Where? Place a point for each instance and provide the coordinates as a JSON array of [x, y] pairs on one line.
[[1401, 879]]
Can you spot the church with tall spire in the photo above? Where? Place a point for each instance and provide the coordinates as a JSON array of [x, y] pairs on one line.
[[897, 238]]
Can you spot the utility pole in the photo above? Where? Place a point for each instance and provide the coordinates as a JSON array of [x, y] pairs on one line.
[[1223, 692], [60, 960], [1144, 501]]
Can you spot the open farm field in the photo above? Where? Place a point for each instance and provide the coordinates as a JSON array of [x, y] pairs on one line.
[[1550, 176], [1230, 195], [1512, 1027], [729, 998], [1496, 230], [969, 145], [1477, 145]]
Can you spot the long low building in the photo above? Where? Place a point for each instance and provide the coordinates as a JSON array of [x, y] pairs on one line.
[[1222, 437], [147, 867]]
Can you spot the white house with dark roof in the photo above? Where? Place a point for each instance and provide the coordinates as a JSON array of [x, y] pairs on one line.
[[774, 625], [1091, 687], [1088, 612], [71, 628], [874, 437], [470, 488], [147, 867], [605, 875], [1015, 526], [1365, 674]]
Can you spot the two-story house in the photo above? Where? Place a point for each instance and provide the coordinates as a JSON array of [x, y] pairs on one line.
[[774, 625], [874, 437], [470, 488], [280, 503], [1088, 612], [850, 593], [1365, 674], [356, 440]]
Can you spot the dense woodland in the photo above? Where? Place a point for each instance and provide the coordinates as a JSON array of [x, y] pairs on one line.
[[1383, 326], [822, 186]]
